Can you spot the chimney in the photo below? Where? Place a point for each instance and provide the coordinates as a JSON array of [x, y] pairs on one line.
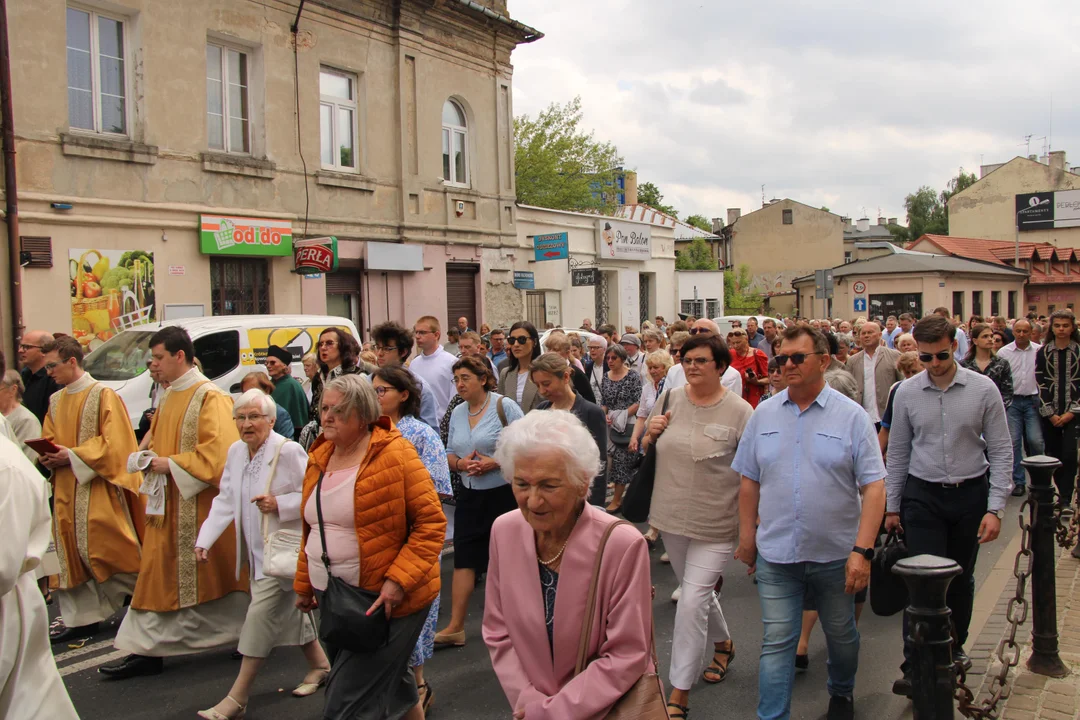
[[1057, 161], [630, 181], [863, 224], [717, 225], [733, 214], [892, 221], [881, 221]]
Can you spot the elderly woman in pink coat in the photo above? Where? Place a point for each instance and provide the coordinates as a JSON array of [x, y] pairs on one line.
[[542, 558]]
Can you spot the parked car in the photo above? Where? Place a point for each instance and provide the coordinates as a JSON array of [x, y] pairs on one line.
[[725, 322], [586, 336], [228, 347]]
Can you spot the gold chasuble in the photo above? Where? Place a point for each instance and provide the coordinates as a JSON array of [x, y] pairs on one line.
[[98, 511]]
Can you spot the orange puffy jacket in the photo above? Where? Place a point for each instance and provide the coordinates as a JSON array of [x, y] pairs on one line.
[[400, 524]]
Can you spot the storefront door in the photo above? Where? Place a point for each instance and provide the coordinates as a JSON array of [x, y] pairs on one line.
[[461, 293], [239, 286]]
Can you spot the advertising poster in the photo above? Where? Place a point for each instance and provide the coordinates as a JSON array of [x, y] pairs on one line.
[[623, 241], [111, 290]]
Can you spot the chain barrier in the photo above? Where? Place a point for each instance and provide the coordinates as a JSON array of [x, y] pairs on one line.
[[1016, 614], [1066, 533]]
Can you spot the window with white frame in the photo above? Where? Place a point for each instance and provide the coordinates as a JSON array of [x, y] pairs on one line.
[[338, 120], [97, 81], [455, 145], [228, 99]]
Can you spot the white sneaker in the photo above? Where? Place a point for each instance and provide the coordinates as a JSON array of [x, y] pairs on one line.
[[677, 594], [664, 558]]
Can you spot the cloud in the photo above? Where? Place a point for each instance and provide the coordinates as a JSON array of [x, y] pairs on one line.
[[852, 105]]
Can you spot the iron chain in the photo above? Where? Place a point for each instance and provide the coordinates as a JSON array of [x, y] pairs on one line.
[[1066, 533], [1008, 651]]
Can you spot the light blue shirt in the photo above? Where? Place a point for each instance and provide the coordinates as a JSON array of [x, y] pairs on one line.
[[810, 465], [482, 438], [961, 345], [890, 337]]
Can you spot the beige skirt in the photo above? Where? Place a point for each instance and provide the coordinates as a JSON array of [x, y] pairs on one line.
[[273, 619]]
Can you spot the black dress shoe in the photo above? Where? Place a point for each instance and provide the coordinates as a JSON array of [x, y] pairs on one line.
[[841, 708], [959, 656], [802, 662], [132, 666], [902, 687], [1019, 491], [66, 634]]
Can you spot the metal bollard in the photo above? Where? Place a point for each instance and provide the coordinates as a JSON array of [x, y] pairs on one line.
[[933, 680], [1044, 658]]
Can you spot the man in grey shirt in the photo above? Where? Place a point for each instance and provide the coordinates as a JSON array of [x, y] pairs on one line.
[[946, 422]]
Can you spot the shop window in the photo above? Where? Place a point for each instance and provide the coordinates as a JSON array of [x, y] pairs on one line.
[[1050, 309], [96, 69], [455, 145], [228, 99], [338, 120], [239, 286], [219, 353], [789, 217]]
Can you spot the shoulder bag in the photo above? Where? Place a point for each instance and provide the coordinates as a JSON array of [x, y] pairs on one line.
[[645, 699], [281, 548], [344, 622], [638, 498], [888, 591]]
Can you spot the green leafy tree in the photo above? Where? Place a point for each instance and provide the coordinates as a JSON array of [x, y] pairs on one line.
[[650, 195], [696, 256], [560, 166], [825, 208], [738, 300], [928, 211], [699, 221]]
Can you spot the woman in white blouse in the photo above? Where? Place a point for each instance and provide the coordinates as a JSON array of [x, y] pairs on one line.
[[260, 492]]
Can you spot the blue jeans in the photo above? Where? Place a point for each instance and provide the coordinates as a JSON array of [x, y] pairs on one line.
[[1023, 416], [781, 588]]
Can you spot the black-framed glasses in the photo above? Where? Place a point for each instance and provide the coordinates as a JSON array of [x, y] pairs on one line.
[[697, 362], [520, 340], [795, 358], [697, 331], [929, 357], [24, 346], [385, 348]]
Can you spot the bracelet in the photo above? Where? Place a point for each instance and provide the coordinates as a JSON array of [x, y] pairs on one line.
[[892, 514]]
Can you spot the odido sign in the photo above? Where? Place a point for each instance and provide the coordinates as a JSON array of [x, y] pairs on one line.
[[224, 235]]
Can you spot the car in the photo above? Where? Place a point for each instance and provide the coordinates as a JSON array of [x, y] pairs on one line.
[[586, 337], [725, 322]]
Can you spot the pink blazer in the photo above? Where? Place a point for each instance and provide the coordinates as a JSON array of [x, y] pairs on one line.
[[514, 627]]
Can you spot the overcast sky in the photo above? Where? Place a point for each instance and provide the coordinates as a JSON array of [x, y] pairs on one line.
[[851, 105]]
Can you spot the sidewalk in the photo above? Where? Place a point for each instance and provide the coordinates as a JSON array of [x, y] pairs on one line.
[[1034, 697]]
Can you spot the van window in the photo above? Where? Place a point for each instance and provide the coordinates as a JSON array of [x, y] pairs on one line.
[[218, 352], [122, 357]]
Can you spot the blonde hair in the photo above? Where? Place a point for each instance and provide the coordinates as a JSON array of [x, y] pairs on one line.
[[430, 320], [357, 398], [659, 358], [908, 361], [550, 362], [652, 334]]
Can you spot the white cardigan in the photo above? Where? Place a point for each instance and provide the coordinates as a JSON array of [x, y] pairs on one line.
[[287, 488]]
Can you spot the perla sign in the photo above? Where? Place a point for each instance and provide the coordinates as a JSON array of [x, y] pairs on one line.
[[623, 241]]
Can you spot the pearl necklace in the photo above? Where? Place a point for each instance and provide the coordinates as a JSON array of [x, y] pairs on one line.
[[482, 407], [552, 561]]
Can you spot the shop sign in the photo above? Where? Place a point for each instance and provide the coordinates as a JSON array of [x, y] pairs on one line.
[[623, 241], [1048, 210], [226, 235], [524, 280], [553, 246], [584, 278], [312, 256]]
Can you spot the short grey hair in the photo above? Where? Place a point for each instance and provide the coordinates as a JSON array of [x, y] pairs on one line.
[[548, 431], [12, 378], [357, 398], [619, 352], [258, 398]]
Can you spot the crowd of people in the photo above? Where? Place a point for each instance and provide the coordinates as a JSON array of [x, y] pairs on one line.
[[788, 445]]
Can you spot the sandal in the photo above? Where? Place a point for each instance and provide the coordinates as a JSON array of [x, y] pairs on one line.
[[681, 712], [716, 672], [213, 714], [427, 697]]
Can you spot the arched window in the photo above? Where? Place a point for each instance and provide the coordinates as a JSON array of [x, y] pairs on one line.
[[455, 144]]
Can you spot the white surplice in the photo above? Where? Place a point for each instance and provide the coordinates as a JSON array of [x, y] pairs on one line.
[[30, 685]]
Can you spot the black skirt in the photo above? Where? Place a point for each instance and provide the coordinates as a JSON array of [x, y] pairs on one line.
[[475, 514]]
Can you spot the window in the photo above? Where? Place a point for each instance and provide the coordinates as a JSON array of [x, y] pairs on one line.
[[218, 352], [455, 145], [228, 104], [337, 118], [995, 302], [97, 84], [712, 308], [958, 304], [1050, 308], [239, 286], [847, 256], [788, 219], [976, 303], [1012, 303]]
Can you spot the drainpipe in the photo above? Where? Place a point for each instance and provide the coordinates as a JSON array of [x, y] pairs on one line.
[[7, 117]]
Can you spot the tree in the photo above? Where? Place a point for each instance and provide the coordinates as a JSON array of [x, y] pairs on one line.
[[700, 222], [825, 208], [559, 166], [650, 195], [928, 211], [737, 295], [697, 256]]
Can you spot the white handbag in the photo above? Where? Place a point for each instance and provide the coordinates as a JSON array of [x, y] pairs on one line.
[[281, 548]]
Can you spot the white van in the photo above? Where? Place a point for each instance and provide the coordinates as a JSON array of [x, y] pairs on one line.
[[228, 347]]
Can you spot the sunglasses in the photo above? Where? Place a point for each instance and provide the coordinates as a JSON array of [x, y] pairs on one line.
[[519, 340], [698, 331], [929, 357], [327, 343], [795, 358], [737, 333]]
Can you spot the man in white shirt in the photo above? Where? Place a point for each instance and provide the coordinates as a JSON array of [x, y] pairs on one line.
[[433, 364], [1023, 412], [874, 370], [731, 379]]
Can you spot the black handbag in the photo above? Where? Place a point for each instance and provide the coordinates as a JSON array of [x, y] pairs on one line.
[[344, 622], [888, 591], [638, 498]]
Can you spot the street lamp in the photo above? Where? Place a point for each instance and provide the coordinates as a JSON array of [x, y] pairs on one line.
[[1016, 253]]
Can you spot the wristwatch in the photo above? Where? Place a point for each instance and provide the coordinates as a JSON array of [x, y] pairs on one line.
[[1000, 514], [867, 553]]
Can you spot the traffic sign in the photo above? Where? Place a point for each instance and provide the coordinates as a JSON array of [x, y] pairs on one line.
[[860, 304], [859, 287]]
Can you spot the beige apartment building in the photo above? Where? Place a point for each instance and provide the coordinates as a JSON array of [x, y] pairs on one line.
[[190, 147], [783, 241]]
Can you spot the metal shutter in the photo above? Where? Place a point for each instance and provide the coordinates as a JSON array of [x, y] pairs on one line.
[[461, 293], [343, 282]]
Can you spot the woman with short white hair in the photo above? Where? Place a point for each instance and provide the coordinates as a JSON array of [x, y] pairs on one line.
[[548, 547], [260, 494]]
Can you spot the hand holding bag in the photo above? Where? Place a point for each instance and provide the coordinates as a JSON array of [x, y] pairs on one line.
[[344, 622], [888, 591], [281, 548], [638, 498], [645, 699]]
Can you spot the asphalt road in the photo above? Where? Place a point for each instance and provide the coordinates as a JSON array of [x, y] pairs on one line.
[[466, 688]]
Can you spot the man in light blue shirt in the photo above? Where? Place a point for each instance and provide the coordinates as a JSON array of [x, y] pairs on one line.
[[805, 457]]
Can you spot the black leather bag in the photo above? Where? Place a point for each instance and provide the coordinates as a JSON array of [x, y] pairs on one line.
[[344, 622], [888, 591], [638, 498]]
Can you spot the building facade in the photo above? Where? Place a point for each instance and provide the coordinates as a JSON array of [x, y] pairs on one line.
[[210, 137]]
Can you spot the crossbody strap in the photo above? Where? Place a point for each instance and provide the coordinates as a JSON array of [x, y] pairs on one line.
[[590, 603], [318, 512], [270, 481], [500, 411]]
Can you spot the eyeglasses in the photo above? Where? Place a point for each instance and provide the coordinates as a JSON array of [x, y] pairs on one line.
[[381, 390], [795, 358], [385, 348], [519, 340], [929, 357], [24, 346], [52, 365], [698, 331], [241, 419], [422, 332], [327, 343], [696, 362]]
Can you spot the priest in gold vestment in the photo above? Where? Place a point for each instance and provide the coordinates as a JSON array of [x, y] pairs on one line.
[[182, 606], [97, 513]]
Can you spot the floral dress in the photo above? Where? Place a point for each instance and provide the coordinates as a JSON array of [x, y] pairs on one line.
[[433, 455], [620, 395]]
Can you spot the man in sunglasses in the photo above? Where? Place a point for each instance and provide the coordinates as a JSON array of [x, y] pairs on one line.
[[943, 493], [731, 379], [39, 385]]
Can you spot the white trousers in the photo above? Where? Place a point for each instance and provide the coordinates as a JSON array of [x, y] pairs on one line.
[[92, 602], [699, 621]]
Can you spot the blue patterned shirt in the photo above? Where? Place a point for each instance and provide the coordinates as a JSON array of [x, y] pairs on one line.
[[430, 449]]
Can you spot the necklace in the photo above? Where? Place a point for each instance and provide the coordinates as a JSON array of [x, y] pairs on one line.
[[552, 561], [482, 407]]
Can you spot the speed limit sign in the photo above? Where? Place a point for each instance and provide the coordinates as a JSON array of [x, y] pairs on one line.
[[859, 287]]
